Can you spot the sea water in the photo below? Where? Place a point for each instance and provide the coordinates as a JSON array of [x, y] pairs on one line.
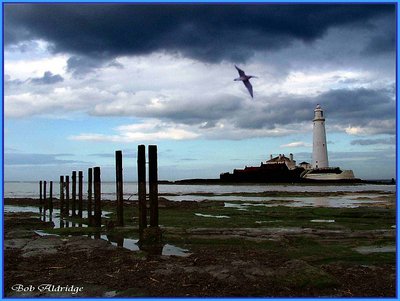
[[31, 189], [353, 194]]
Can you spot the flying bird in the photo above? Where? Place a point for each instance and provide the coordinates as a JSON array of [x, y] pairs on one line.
[[245, 79]]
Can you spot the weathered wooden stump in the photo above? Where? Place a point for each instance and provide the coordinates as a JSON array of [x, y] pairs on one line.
[[153, 185], [73, 207], [51, 198], [119, 188], [80, 193], [44, 197], [97, 197], [141, 167], [67, 195], [40, 197], [62, 209], [150, 237], [89, 196]]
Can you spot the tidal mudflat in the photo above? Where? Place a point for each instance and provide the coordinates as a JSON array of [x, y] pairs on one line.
[[279, 243]]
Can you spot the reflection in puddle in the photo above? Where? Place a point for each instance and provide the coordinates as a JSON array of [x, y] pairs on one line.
[[132, 244], [116, 240], [11, 208], [51, 216]]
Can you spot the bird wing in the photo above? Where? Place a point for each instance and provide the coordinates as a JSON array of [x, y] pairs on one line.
[[249, 87], [241, 72]]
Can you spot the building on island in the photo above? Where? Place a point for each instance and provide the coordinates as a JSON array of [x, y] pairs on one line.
[[284, 169], [277, 169]]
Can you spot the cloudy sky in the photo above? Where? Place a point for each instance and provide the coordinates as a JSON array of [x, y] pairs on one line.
[[82, 81]]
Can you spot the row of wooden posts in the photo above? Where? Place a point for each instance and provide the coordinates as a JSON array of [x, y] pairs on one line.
[[93, 209]]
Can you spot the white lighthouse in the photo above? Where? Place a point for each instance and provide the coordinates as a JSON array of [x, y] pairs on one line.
[[320, 167], [320, 150]]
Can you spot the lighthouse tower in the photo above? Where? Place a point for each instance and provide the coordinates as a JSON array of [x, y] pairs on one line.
[[320, 150]]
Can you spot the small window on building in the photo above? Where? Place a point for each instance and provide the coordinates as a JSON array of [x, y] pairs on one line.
[[322, 114]]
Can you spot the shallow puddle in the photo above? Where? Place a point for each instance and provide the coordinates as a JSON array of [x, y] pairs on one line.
[[209, 215], [120, 241], [132, 244], [110, 294], [267, 222], [53, 217], [375, 249], [349, 201]]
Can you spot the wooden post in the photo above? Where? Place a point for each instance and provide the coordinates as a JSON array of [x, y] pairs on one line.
[[51, 198], [73, 193], [97, 197], [61, 195], [80, 194], [141, 167], [89, 196], [153, 186], [67, 195], [40, 197], [44, 196], [119, 188]]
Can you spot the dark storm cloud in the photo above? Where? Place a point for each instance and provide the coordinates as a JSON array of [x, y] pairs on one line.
[[201, 111], [381, 44], [47, 79], [358, 107], [274, 113], [97, 33], [383, 41], [79, 65], [364, 108]]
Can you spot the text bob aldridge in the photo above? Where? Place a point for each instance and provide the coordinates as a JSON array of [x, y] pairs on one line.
[[20, 288]]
